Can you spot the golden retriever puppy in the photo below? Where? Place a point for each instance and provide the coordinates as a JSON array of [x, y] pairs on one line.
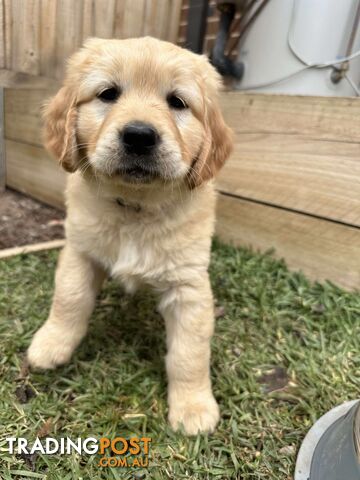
[[137, 123]]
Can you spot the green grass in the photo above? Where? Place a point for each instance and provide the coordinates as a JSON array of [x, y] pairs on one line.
[[273, 319]]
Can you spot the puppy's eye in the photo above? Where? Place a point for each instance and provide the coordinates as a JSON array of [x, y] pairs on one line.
[[109, 94], [176, 102]]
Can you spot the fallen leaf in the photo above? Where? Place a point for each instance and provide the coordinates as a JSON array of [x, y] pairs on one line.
[[45, 429]]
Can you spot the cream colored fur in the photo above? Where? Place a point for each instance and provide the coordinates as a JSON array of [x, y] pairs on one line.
[[165, 245]]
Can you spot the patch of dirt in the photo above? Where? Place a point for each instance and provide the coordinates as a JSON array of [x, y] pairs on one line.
[[29, 459], [274, 380], [24, 220], [24, 393]]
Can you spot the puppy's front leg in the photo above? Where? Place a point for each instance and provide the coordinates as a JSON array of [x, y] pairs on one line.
[[189, 318], [77, 282]]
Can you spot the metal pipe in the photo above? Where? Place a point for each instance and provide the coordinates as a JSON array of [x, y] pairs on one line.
[[339, 72], [197, 16]]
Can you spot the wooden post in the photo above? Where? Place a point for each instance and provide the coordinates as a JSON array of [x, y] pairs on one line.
[[2, 143]]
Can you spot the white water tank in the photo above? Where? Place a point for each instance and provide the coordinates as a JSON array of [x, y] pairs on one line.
[[319, 31]]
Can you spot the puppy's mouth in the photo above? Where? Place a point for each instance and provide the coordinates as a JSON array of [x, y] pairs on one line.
[[137, 174], [138, 168]]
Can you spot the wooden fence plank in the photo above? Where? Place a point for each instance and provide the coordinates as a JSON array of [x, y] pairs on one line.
[[105, 18], [150, 23], [31, 170], [48, 32], [23, 114], [2, 35], [326, 118], [134, 14], [297, 172], [26, 36], [162, 19], [175, 12], [323, 250], [88, 29], [11, 79], [8, 26], [68, 32]]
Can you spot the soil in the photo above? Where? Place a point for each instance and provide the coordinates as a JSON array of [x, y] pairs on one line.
[[24, 220]]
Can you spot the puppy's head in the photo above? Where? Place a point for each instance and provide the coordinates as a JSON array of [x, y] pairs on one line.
[[139, 111]]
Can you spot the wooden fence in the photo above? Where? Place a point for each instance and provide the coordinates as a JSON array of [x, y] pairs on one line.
[[36, 36], [293, 182]]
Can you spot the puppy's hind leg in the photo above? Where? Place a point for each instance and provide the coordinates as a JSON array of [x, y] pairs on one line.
[[77, 283], [189, 319]]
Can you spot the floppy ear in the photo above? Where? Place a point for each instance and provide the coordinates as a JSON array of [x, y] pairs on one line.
[[216, 147], [60, 129]]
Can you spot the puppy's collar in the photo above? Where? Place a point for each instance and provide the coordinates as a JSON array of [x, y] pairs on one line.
[[132, 206]]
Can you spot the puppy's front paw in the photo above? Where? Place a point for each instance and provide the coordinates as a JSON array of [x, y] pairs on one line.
[[201, 415], [49, 348]]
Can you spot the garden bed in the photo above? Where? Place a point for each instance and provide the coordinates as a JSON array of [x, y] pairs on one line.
[[25, 221]]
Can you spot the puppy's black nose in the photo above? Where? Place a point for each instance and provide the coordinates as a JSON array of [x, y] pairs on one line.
[[139, 138]]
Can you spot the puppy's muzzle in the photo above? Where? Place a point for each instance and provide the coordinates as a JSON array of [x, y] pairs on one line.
[[139, 139], [139, 142]]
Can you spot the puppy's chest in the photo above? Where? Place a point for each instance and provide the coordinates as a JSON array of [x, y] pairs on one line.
[[137, 254], [140, 258]]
